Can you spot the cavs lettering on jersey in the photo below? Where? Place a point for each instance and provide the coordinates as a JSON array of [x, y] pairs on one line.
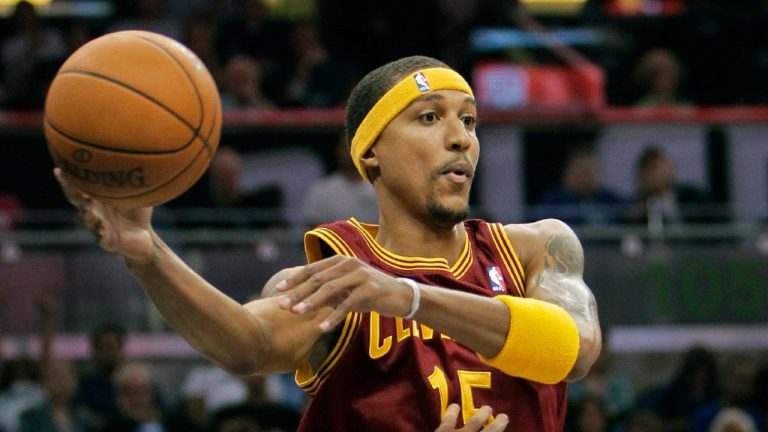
[[392, 374]]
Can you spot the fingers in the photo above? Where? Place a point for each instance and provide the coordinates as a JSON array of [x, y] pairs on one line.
[[499, 424], [308, 271], [73, 195], [320, 283], [449, 419], [476, 422]]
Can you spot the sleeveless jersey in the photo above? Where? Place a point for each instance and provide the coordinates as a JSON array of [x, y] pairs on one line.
[[393, 374]]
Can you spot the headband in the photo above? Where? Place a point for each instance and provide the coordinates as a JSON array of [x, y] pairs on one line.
[[395, 100]]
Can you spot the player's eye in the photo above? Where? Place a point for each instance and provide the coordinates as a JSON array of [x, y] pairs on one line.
[[469, 120], [428, 117]]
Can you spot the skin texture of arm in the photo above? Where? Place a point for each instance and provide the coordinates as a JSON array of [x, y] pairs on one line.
[[258, 337], [554, 265]]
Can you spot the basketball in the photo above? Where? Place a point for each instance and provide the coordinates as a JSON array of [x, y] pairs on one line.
[[133, 118]]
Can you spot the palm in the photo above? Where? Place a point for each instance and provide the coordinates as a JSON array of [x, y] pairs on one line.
[[127, 232], [124, 231]]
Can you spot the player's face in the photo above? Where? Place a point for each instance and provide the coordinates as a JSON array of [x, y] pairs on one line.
[[428, 154]]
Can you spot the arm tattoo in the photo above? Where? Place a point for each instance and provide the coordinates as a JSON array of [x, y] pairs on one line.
[[560, 281], [564, 255]]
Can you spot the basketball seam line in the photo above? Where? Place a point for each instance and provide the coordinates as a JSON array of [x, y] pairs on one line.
[[137, 91], [189, 77], [117, 150], [155, 188]]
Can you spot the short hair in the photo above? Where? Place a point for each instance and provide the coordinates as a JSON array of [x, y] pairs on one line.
[[376, 83], [651, 154], [107, 328]]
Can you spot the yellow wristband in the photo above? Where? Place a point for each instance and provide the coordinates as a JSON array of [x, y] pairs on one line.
[[542, 341]]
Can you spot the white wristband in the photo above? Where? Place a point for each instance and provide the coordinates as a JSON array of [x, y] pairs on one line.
[[416, 296]]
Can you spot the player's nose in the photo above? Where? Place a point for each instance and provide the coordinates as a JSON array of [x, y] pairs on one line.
[[457, 137]]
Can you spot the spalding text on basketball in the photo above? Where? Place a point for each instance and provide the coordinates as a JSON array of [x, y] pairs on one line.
[[123, 178]]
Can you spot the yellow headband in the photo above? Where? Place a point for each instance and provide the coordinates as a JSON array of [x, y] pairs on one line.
[[394, 101]]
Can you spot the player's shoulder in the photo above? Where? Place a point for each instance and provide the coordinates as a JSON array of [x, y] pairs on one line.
[[530, 239], [541, 229]]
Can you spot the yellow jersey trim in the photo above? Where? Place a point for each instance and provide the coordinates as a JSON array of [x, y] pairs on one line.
[[462, 265], [305, 377], [309, 380], [508, 256]]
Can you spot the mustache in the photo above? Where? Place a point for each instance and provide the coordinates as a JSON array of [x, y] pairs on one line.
[[459, 163]]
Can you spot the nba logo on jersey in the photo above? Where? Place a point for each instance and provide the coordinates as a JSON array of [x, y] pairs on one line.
[[497, 280], [421, 82]]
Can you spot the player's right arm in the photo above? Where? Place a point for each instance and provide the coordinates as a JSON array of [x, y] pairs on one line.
[[258, 337]]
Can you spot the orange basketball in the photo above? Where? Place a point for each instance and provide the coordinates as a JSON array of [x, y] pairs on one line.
[[133, 118]]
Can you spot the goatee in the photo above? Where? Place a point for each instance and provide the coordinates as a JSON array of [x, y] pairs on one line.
[[446, 217]]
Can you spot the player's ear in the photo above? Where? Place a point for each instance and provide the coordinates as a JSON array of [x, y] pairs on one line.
[[370, 162]]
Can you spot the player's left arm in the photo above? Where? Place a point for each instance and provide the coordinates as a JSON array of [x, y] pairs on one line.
[[553, 259]]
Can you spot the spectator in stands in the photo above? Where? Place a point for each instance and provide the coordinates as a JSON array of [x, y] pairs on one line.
[[733, 420], [206, 389], [198, 34], [138, 408], [613, 388], [588, 415], [21, 388], [96, 390], [242, 84], [310, 77], [249, 31], [737, 390], [148, 15], [580, 199], [258, 408], [235, 419], [640, 420], [30, 57], [693, 386], [660, 200], [760, 395], [57, 413], [219, 198], [340, 195], [658, 74], [11, 213]]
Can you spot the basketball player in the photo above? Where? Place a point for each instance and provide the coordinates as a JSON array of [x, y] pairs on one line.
[[391, 324]]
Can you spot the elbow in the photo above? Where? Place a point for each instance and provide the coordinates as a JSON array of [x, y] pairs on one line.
[[239, 364], [241, 356], [590, 347]]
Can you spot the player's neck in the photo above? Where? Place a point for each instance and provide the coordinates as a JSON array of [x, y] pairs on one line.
[[410, 237]]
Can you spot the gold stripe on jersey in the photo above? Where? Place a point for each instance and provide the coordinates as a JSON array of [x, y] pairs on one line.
[[310, 381], [508, 256], [415, 263], [312, 244], [307, 379], [464, 262], [335, 241]]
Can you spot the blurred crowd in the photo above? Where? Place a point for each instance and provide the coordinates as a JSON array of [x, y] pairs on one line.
[[703, 391], [287, 53]]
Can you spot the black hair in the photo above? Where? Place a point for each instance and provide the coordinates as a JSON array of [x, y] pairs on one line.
[[651, 154], [107, 328], [374, 85]]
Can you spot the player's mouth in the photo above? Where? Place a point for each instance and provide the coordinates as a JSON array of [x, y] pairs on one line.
[[458, 172]]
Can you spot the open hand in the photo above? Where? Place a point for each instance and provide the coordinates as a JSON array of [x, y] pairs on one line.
[[123, 231], [346, 284]]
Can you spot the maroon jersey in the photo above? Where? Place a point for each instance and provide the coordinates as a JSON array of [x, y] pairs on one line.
[[393, 374]]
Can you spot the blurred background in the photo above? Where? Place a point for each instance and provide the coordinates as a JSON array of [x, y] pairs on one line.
[[641, 123]]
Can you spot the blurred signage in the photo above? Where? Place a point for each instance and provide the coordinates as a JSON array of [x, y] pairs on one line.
[[501, 85]]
